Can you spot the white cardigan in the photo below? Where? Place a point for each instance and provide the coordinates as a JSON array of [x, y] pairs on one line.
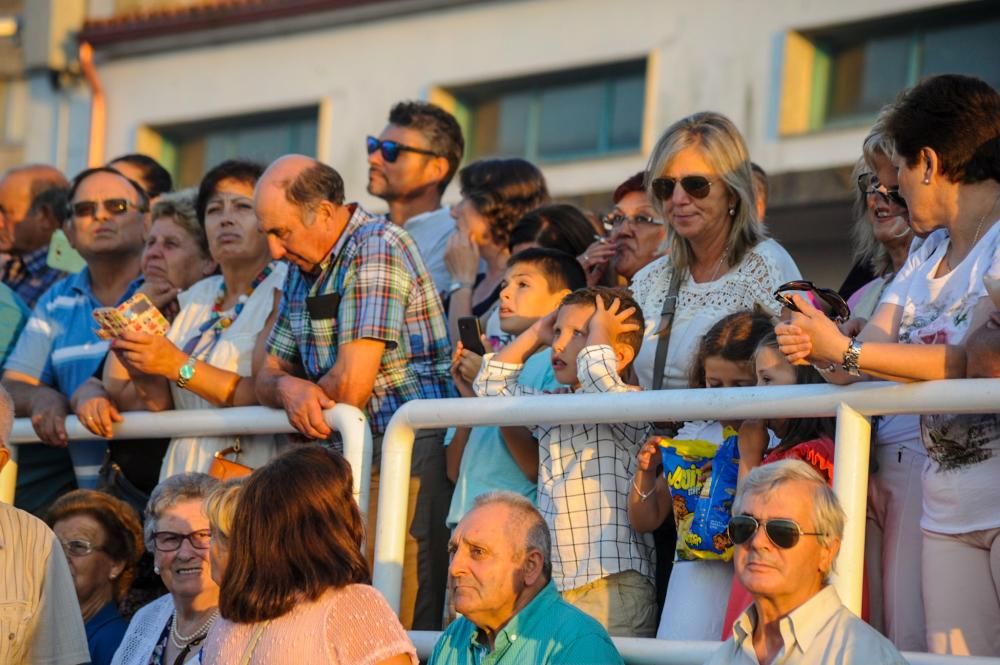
[[144, 632]]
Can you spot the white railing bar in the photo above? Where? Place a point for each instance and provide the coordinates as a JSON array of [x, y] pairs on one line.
[[850, 484], [867, 399], [348, 420]]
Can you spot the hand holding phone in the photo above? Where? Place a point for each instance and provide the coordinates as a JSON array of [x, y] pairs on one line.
[[471, 334], [138, 314]]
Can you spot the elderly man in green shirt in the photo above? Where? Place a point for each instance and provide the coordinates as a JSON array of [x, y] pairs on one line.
[[500, 576]]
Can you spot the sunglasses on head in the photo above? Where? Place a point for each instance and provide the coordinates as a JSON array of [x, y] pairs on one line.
[[111, 206], [783, 532], [829, 301], [868, 184], [390, 149], [697, 186]]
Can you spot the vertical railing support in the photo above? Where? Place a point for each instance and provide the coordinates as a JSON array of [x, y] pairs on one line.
[[850, 483], [394, 491]]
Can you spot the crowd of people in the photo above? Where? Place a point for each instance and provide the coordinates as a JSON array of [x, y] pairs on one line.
[[531, 544]]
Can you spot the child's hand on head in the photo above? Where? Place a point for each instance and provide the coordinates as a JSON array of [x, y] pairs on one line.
[[544, 328], [607, 322]]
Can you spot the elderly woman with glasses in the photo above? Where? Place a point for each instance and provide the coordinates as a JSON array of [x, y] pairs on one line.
[[102, 540], [719, 259], [171, 629]]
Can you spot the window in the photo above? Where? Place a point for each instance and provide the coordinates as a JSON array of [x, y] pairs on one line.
[[556, 116], [859, 68], [190, 149]]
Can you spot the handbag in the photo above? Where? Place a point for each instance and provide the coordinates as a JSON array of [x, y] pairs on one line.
[[225, 469], [666, 322]]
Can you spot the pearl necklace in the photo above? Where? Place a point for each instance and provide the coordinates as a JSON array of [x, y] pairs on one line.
[[180, 641]]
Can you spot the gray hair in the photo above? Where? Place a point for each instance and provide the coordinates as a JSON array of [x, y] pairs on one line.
[[867, 250], [538, 537], [170, 492], [6, 416], [179, 207], [828, 516], [725, 151]]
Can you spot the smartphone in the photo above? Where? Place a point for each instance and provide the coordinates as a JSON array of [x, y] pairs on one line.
[[62, 256], [471, 334]]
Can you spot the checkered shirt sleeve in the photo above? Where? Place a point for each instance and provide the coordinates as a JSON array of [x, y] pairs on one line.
[[374, 300], [281, 341], [497, 378]]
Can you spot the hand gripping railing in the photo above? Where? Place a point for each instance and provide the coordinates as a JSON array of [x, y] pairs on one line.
[[852, 407], [349, 421]]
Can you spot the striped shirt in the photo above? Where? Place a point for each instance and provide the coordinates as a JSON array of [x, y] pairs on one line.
[[60, 347], [584, 476], [30, 275], [39, 611], [372, 285]]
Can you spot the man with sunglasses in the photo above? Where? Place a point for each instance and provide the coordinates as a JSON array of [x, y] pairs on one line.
[[787, 526], [37, 595], [59, 348], [409, 167]]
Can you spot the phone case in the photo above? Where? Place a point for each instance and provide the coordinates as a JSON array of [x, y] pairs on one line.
[[62, 256], [138, 314]]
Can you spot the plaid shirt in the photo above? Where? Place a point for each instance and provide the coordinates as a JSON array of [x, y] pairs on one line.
[[584, 476], [385, 294], [30, 275]]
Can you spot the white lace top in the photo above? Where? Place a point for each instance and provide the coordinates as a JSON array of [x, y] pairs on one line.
[[699, 306]]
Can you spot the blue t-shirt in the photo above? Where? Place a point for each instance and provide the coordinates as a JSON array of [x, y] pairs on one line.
[[487, 465], [105, 631], [13, 314]]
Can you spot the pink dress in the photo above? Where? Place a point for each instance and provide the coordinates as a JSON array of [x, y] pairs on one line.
[[348, 626]]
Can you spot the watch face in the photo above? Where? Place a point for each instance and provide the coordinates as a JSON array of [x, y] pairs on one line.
[[187, 371]]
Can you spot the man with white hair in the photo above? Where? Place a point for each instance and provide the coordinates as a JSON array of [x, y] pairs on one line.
[[41, 614], [787, 525]]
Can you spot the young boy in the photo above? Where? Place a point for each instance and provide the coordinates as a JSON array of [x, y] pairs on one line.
[[599, 563], [483, 459]]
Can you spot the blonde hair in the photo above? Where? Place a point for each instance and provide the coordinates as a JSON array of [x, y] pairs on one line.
[[220, 505], [867, 250], [724, 149]]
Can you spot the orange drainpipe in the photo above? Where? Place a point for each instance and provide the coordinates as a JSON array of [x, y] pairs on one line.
[[98, 117]]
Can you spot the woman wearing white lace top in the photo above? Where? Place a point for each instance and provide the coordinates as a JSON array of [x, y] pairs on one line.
[[297, 584], [206, 358], [700, 179]]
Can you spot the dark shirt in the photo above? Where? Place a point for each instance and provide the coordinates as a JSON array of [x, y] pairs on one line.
[[29, 275], [105, 631]]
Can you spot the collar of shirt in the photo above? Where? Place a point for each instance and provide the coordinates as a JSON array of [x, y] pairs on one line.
[[80, 283], [518, 624], [799, 627], [359, 216], [417, 219]]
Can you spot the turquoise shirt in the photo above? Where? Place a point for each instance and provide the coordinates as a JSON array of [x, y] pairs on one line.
[[487, 464], [13, 316], [547, 631]]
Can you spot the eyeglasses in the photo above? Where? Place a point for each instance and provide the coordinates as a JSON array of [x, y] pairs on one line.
[[390, 149], [868, 184], [781, 531], [697, 186], [168, 541], [78, 548], [615, 220], [111, 206], [830, 302]]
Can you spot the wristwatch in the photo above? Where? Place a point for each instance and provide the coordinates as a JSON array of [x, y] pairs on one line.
[[186, 372], [456, 285], [851, 357]]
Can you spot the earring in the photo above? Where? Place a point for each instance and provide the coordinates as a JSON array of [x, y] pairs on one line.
[[732, 211], [927, 180], [113, 575], [156, 569]]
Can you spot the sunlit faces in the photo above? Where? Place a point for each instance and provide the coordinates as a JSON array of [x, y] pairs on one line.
[[171, 255], [92, 573], [104, 232], [788, 576], [693, 218], [231, 223], [218, 555], [526, 297], [722, 373], [569, 338], [890, 222], [15, 201], [925, 211], [288, 235], [470, 223], [186, 571], [772, 369], [410, 174], [636, 244]]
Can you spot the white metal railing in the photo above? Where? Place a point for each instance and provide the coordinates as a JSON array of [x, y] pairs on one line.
[[349, 421], [851, 405]]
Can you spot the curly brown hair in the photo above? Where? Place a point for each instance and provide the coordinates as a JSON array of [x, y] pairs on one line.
[[296, 533], [120, 522], [502, 191]]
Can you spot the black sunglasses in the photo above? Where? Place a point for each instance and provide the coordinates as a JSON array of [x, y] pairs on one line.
[[781, 531], [869, 184], [831, 304], [697, 186], [111, 206], [390, 149]]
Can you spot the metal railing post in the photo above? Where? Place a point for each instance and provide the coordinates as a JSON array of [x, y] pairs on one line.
[[850, 484], [353, 427]]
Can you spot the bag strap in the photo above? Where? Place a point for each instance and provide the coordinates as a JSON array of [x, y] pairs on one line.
[[666, 322], [252, 645]]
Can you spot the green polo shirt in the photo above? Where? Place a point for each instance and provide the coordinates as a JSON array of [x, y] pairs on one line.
[[548, 631]]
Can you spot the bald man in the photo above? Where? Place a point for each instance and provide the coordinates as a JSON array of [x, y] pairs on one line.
[[360, 319], [32, 207]]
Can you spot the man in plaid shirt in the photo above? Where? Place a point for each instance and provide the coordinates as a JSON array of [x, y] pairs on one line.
[[361, 321]]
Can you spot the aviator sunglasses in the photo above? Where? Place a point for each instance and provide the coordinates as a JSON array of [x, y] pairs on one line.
[[869, 184], [113, 207], [830, 302], [390, 149], [697, 186], [783, 532]]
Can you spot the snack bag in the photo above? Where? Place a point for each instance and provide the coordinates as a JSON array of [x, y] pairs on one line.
[[138, 314], [683, 460], [707, 538]]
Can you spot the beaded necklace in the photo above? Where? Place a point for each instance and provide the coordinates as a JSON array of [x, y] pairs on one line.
[[221, 320]]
